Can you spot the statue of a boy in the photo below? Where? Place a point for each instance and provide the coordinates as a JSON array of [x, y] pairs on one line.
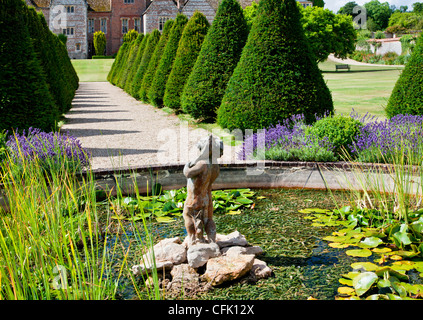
[[198, 208]]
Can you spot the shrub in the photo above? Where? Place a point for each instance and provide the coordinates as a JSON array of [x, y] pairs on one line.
[[277, 75], [114, 70], [156, 92], [287, 141], [153, 39], [135, 65], [189, 47], [341, 131], [52, 150], [99, 42], [154, 61], [407, 95], [390, 57], [25, 99], [216, 61], [129, 39], [132, 54]]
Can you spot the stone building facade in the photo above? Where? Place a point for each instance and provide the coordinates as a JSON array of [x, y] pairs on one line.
[[80, 19]]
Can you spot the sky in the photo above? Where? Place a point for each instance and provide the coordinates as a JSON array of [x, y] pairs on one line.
[[334, 5]]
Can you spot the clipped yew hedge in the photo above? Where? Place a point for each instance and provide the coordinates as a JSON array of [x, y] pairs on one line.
[[407, 95], [277, 76], [154, 61], [216, 61], [134, 68], [153, 39], [156, 92], [37, 79], [189, 47]]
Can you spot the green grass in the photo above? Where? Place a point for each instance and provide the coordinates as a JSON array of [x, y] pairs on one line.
[[364, 88], [92, 70]]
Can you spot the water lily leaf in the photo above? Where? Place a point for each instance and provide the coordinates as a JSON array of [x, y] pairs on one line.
[[234, 212], [395, 257], [404, 253], [401, 236], [382, 250], [339, 245], [351, 275], [346, 291], [371, 242], [403, 265], [364, 281], [165, 219], [394, 273], [359, 253], [367, 266], [261, 197], [347, 282]]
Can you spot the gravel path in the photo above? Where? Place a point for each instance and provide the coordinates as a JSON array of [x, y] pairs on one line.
[[120, 131]]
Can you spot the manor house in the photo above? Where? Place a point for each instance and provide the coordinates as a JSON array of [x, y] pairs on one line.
[[79, 19]]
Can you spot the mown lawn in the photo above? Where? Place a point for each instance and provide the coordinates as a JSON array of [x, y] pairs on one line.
[[92, 70], [364, 88]]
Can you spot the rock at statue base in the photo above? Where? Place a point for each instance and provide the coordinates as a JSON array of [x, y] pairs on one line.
[[260, 270], [236, 250], [232, 239], [228, 268], [184, 278], [198, 254], [167, 252]]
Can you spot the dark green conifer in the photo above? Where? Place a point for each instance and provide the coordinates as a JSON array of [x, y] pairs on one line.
[[216, 61], [407, 95], [154, 61], [153, 39], [189, 47], [277, 75], [156, 92], [134, 68]]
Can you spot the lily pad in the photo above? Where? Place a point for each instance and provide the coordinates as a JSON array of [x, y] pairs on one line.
[[364, 281], [371, 242], [381, 250], [359, 253], [367, 266], [347, 282], [339, 245], [346, 291]]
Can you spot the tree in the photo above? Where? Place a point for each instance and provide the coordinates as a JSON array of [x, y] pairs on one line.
[[277, 75], [135, 65], [328, 33], [25, 100], [99, 43], [154, 61], [318, 3], [188, 49], [348, 9], [407, 95], [156, 92], [219, 54], [418, 7], [131, 60], [153, 39], [378, 13]]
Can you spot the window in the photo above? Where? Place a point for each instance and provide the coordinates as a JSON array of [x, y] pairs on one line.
[[103, 25], [137, 24], [78, 47], [70, 9], [128, 1], [124, 25], [90, 25], [68, 31], [162, 21]]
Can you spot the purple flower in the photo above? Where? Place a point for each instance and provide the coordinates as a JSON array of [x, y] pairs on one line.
[[46, 147]]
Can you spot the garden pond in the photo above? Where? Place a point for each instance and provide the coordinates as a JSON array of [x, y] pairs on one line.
[[299, 245]]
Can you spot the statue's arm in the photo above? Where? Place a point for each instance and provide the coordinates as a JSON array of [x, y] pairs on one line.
[[191, 172]]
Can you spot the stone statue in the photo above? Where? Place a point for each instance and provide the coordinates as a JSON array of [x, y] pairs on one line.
[[198, 208]]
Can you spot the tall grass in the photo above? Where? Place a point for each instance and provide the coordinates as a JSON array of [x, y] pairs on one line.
[[52, 242]]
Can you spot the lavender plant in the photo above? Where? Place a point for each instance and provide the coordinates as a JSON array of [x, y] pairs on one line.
[[288, 141], [53, 150], [386, 141]]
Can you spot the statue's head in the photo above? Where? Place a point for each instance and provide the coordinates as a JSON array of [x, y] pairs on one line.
[[210, 148]]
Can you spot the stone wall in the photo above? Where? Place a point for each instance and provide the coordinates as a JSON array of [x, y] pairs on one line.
[[158, 9], [75, 22]]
